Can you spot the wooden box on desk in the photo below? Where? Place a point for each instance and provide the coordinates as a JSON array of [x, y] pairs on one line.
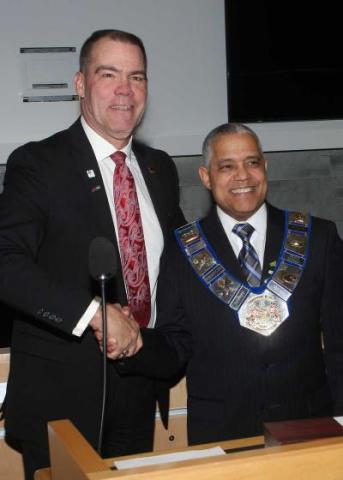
[[293, 431]]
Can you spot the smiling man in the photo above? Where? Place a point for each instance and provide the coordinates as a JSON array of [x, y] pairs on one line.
[[235, 172], [112, 86], [245, 298], [91, 180]]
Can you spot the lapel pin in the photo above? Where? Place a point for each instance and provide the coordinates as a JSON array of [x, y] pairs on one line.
[[90, 173], [96, 188], [271, 267]]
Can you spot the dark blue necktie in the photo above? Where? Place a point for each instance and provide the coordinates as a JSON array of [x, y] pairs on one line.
[[248, 257]]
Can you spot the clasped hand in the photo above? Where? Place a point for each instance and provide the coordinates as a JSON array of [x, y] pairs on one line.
[[123, 334]]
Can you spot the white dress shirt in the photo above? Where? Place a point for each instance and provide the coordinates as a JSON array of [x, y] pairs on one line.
[[153, 235], [258, 238]]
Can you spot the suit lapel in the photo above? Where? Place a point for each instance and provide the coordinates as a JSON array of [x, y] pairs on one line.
[[92, 187], [217, 237], [150, 169], [89, 173], [274, 238]]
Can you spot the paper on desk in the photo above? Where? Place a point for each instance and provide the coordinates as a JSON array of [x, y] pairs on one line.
[[168, 457], [339, 420]]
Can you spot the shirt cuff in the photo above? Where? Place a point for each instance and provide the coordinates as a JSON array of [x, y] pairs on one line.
[[83, 323]]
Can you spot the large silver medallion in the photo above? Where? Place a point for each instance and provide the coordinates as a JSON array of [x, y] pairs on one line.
[[263, 313]]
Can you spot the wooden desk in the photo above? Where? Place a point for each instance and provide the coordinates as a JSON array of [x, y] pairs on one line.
[[43, 474], [11, 467], [74, 459]]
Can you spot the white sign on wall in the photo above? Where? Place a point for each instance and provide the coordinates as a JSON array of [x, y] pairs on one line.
[[48, 73]]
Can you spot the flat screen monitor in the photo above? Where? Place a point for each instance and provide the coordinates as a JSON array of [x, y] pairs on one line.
[[284, 61]]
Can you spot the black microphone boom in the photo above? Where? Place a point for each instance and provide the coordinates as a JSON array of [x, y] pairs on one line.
[[102, 267], [102, 259]]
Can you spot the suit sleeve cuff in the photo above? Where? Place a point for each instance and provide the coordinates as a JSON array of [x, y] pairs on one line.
[[83, 323]]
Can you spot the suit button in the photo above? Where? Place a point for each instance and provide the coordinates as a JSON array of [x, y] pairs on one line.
[[58, 319]]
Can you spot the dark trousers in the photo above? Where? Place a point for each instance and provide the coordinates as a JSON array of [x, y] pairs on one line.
[[34, 458], [130, 416]]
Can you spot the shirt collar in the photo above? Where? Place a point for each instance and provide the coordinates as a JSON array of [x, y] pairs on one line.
[[101, 147], [258, 220]]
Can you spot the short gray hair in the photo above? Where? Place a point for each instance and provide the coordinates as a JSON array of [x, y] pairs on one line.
[[226, 129], [112, 34]]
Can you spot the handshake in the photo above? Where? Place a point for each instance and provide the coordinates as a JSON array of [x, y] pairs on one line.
[[123, 334]]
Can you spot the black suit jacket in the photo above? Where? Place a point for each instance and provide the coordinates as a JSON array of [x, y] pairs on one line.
[[236, 378], [50, 211]]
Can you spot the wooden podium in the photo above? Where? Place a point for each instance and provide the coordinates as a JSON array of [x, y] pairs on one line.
[[73, 458]]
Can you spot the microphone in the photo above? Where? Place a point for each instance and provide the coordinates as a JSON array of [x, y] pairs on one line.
[[102, 261]]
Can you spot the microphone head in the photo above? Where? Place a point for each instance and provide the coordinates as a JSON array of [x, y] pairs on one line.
[[102, 259]]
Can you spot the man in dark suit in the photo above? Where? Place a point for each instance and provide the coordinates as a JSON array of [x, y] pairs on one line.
[[58, 197], [248, 316]]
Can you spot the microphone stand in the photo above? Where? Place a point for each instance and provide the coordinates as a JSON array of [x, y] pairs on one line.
[[102, 280], [102, 267]]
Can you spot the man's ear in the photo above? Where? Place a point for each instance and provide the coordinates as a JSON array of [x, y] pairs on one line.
[[79, 82], [205, 177]]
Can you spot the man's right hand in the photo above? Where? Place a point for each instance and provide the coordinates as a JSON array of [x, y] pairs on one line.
[[123, 334]]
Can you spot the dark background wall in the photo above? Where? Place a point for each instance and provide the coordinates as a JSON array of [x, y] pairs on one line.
[[284, 61]]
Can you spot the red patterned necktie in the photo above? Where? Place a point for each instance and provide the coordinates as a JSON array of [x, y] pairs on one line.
[[131, 241]]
